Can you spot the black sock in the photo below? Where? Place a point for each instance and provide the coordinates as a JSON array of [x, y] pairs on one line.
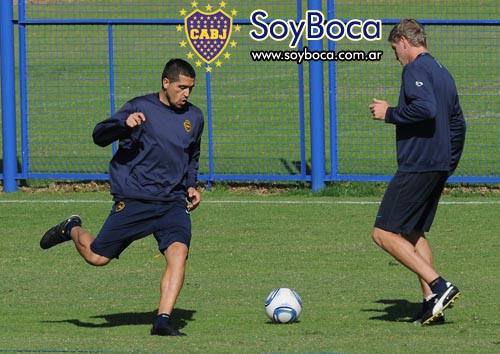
[[71, 224], [438, 285]]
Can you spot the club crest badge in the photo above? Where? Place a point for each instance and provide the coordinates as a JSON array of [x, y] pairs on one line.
[[187, 125], [120, 206], [208, 33]]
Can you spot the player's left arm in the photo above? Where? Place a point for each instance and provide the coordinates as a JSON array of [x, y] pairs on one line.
[[193, 194], [419, 96], [457, 135]]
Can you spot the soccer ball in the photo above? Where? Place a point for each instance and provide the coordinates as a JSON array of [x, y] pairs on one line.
[[283, 305]]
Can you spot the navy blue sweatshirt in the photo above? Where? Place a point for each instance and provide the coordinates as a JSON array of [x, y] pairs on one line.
[[430, 125], [158, 160]]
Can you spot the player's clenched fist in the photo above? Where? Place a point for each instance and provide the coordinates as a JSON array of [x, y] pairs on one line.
[[379, 109], [135, 119]]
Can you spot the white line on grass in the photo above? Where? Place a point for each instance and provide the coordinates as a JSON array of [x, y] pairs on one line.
[[361, 202]]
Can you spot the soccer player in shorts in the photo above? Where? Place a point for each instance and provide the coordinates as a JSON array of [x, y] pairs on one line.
[[153, 181], [430, 135]]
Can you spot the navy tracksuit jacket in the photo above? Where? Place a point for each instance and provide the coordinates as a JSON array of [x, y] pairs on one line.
[[430, 125], [158, 160]]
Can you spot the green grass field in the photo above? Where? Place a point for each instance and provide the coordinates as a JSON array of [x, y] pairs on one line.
[[356, 298]]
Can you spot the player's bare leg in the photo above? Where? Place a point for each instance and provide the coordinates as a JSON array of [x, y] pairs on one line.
[[71, 229], [418, 240], [404, 251], [173, 277], [83, 240], [170, 288], [407, 254]]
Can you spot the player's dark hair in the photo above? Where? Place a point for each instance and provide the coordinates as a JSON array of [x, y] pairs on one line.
[[176, 67], [411, 30]]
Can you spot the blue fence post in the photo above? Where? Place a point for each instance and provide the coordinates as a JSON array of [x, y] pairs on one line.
[[317, 111], [302, 123], [332, 100], [209, 129], [9, 134]]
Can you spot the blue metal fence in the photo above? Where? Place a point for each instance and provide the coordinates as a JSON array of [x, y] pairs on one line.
[[8, 97], [266, 121]]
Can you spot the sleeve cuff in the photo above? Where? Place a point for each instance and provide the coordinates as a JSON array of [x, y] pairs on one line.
[[388, 114]]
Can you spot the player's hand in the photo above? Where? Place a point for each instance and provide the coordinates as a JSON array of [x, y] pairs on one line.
[[194, 198], [135, 119], [379, 109]]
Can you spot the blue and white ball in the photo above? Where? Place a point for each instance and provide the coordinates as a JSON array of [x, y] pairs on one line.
[[283, 305]]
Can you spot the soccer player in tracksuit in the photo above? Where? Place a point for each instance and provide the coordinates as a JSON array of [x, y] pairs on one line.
[[153, 179], [430, 135]]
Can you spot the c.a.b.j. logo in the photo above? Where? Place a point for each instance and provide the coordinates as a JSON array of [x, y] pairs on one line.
[[208, 33]]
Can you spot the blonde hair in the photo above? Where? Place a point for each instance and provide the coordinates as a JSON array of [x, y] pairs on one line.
[[411, 30]]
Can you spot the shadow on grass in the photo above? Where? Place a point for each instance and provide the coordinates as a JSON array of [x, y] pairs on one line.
[[396, 310], [180, 319]]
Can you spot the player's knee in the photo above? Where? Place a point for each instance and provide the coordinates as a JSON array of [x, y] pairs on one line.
[[177, 250], [378, 236], [97, 260]]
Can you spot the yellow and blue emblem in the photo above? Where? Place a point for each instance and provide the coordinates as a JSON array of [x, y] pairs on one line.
[[208, 33]]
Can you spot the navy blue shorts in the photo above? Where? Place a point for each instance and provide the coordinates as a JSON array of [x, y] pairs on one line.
[[410, 202], [131, 220]]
